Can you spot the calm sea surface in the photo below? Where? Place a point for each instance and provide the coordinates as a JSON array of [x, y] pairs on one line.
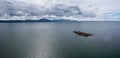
[[57, 40]]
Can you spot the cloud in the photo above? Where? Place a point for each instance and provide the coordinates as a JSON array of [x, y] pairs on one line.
[[69, 9]]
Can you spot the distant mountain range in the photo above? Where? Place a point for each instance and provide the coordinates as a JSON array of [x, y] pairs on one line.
[[40, 20]]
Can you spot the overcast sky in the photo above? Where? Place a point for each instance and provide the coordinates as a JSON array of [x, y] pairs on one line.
[[68, 9]]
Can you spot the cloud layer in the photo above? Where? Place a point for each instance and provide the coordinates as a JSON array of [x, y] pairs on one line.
[[65, 9]]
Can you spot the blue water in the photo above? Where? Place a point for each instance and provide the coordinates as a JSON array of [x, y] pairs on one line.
[[57, 40]]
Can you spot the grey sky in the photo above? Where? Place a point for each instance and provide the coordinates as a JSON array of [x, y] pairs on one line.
[[81, 9]]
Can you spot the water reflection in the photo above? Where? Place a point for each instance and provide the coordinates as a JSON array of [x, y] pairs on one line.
[[57, 40]]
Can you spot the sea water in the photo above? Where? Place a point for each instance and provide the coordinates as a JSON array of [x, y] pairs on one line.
[[57, 40]]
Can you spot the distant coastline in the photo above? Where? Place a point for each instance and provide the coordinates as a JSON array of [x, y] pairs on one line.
[[40, 20]]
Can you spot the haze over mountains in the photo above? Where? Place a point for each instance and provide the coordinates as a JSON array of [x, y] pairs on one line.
[[40, 20]]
